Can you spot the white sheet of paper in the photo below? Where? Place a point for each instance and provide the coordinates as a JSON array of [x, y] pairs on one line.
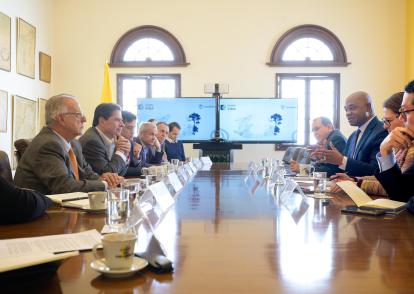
[[357, 195], [50, 244], [162, 195], [206, 160], [16, 262], [175, 181]]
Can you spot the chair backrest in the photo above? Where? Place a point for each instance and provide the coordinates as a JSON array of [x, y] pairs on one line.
[[21, 146], [288, 154], [304, 156], [5, 169], [296, 153]]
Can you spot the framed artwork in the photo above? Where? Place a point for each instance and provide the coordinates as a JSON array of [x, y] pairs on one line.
[[5, 42], [26, 46], [45, 67], [24, 119], [4, 97], [41, 110]]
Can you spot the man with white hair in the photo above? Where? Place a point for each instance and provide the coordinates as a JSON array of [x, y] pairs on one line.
[[53, 162], [151, 152]]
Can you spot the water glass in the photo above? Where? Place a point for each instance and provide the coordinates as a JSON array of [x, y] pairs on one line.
[[319, 182], [118, 206], [151, 179], [133, 186]]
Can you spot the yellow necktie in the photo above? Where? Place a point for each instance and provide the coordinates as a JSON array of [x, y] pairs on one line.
[[74, 163]]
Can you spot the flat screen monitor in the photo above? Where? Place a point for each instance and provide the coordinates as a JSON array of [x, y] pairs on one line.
[[196, 116], [258, 120]]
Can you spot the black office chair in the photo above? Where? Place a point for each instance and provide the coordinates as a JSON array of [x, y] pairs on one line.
[[5, 168]]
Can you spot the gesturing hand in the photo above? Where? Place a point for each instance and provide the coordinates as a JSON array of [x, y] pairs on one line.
[[329, 156]]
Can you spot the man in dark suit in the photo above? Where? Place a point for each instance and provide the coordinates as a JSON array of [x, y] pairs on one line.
[[19, 205], [363, 144], [325, 134], [151, 152], [173, 147], [104, 148], [53, 163], [135, 161], [399, 186]]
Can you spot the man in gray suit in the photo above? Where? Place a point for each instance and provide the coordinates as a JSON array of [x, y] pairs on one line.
[[53, 163], [103, 146]]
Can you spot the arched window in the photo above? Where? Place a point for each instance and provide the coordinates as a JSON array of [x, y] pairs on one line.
[[317, 93], [308, 45], [148, 46]]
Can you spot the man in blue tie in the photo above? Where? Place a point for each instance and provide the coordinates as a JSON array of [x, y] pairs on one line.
[[363, 144]]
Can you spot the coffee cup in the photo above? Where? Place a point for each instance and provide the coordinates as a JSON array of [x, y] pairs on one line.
[[97, 200], [118, 250], [306, 169]]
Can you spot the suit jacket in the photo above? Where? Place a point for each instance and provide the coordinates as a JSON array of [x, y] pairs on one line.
[[365, 161], [148, 157], [95, 153], [19, 205], [174, 150], [45, 167], [339, 141], [399, 186]]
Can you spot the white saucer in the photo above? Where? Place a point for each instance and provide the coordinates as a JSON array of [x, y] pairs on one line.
[[100, 266]]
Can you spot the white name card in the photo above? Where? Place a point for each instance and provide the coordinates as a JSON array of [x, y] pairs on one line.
[[162, 195], [188, 169], [175, 181], [182, 174], [206, 160], [197, 162], [192, 166]]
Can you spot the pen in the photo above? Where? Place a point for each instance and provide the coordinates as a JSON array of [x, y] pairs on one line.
[[76, 198]]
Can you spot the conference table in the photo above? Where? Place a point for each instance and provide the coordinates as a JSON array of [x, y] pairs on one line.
[[225, 236]]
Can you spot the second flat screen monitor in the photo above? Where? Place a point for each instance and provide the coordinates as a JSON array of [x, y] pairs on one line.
[[196, 116], [260, 120]]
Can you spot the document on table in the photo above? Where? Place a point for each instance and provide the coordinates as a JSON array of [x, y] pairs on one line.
[[49, 244], [17, 262]]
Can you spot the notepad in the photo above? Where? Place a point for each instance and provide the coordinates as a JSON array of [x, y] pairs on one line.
[[363, 201], [61, 198]]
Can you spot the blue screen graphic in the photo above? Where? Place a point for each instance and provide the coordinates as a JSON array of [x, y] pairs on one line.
[[258, 119], [196, 116]]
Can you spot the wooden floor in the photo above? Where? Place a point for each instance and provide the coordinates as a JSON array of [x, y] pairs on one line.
[[225, 237]]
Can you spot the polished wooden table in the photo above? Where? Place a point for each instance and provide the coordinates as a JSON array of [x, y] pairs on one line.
[[226, 238]]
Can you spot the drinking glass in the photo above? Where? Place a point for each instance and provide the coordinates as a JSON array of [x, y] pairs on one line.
[[319, 182], [118, 206], [133, 186]]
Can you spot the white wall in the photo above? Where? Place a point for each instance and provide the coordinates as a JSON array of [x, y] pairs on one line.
[[230, 41], [38, 13]]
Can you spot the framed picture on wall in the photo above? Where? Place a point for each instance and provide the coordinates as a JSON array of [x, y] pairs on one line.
[[24, 119], [4, 97], [45, 67], [41, 110], [25, 48], [5, 42]]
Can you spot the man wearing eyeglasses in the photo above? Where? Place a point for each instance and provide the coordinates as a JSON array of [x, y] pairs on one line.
[[399, 186], [53, 162], [363, 144]]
